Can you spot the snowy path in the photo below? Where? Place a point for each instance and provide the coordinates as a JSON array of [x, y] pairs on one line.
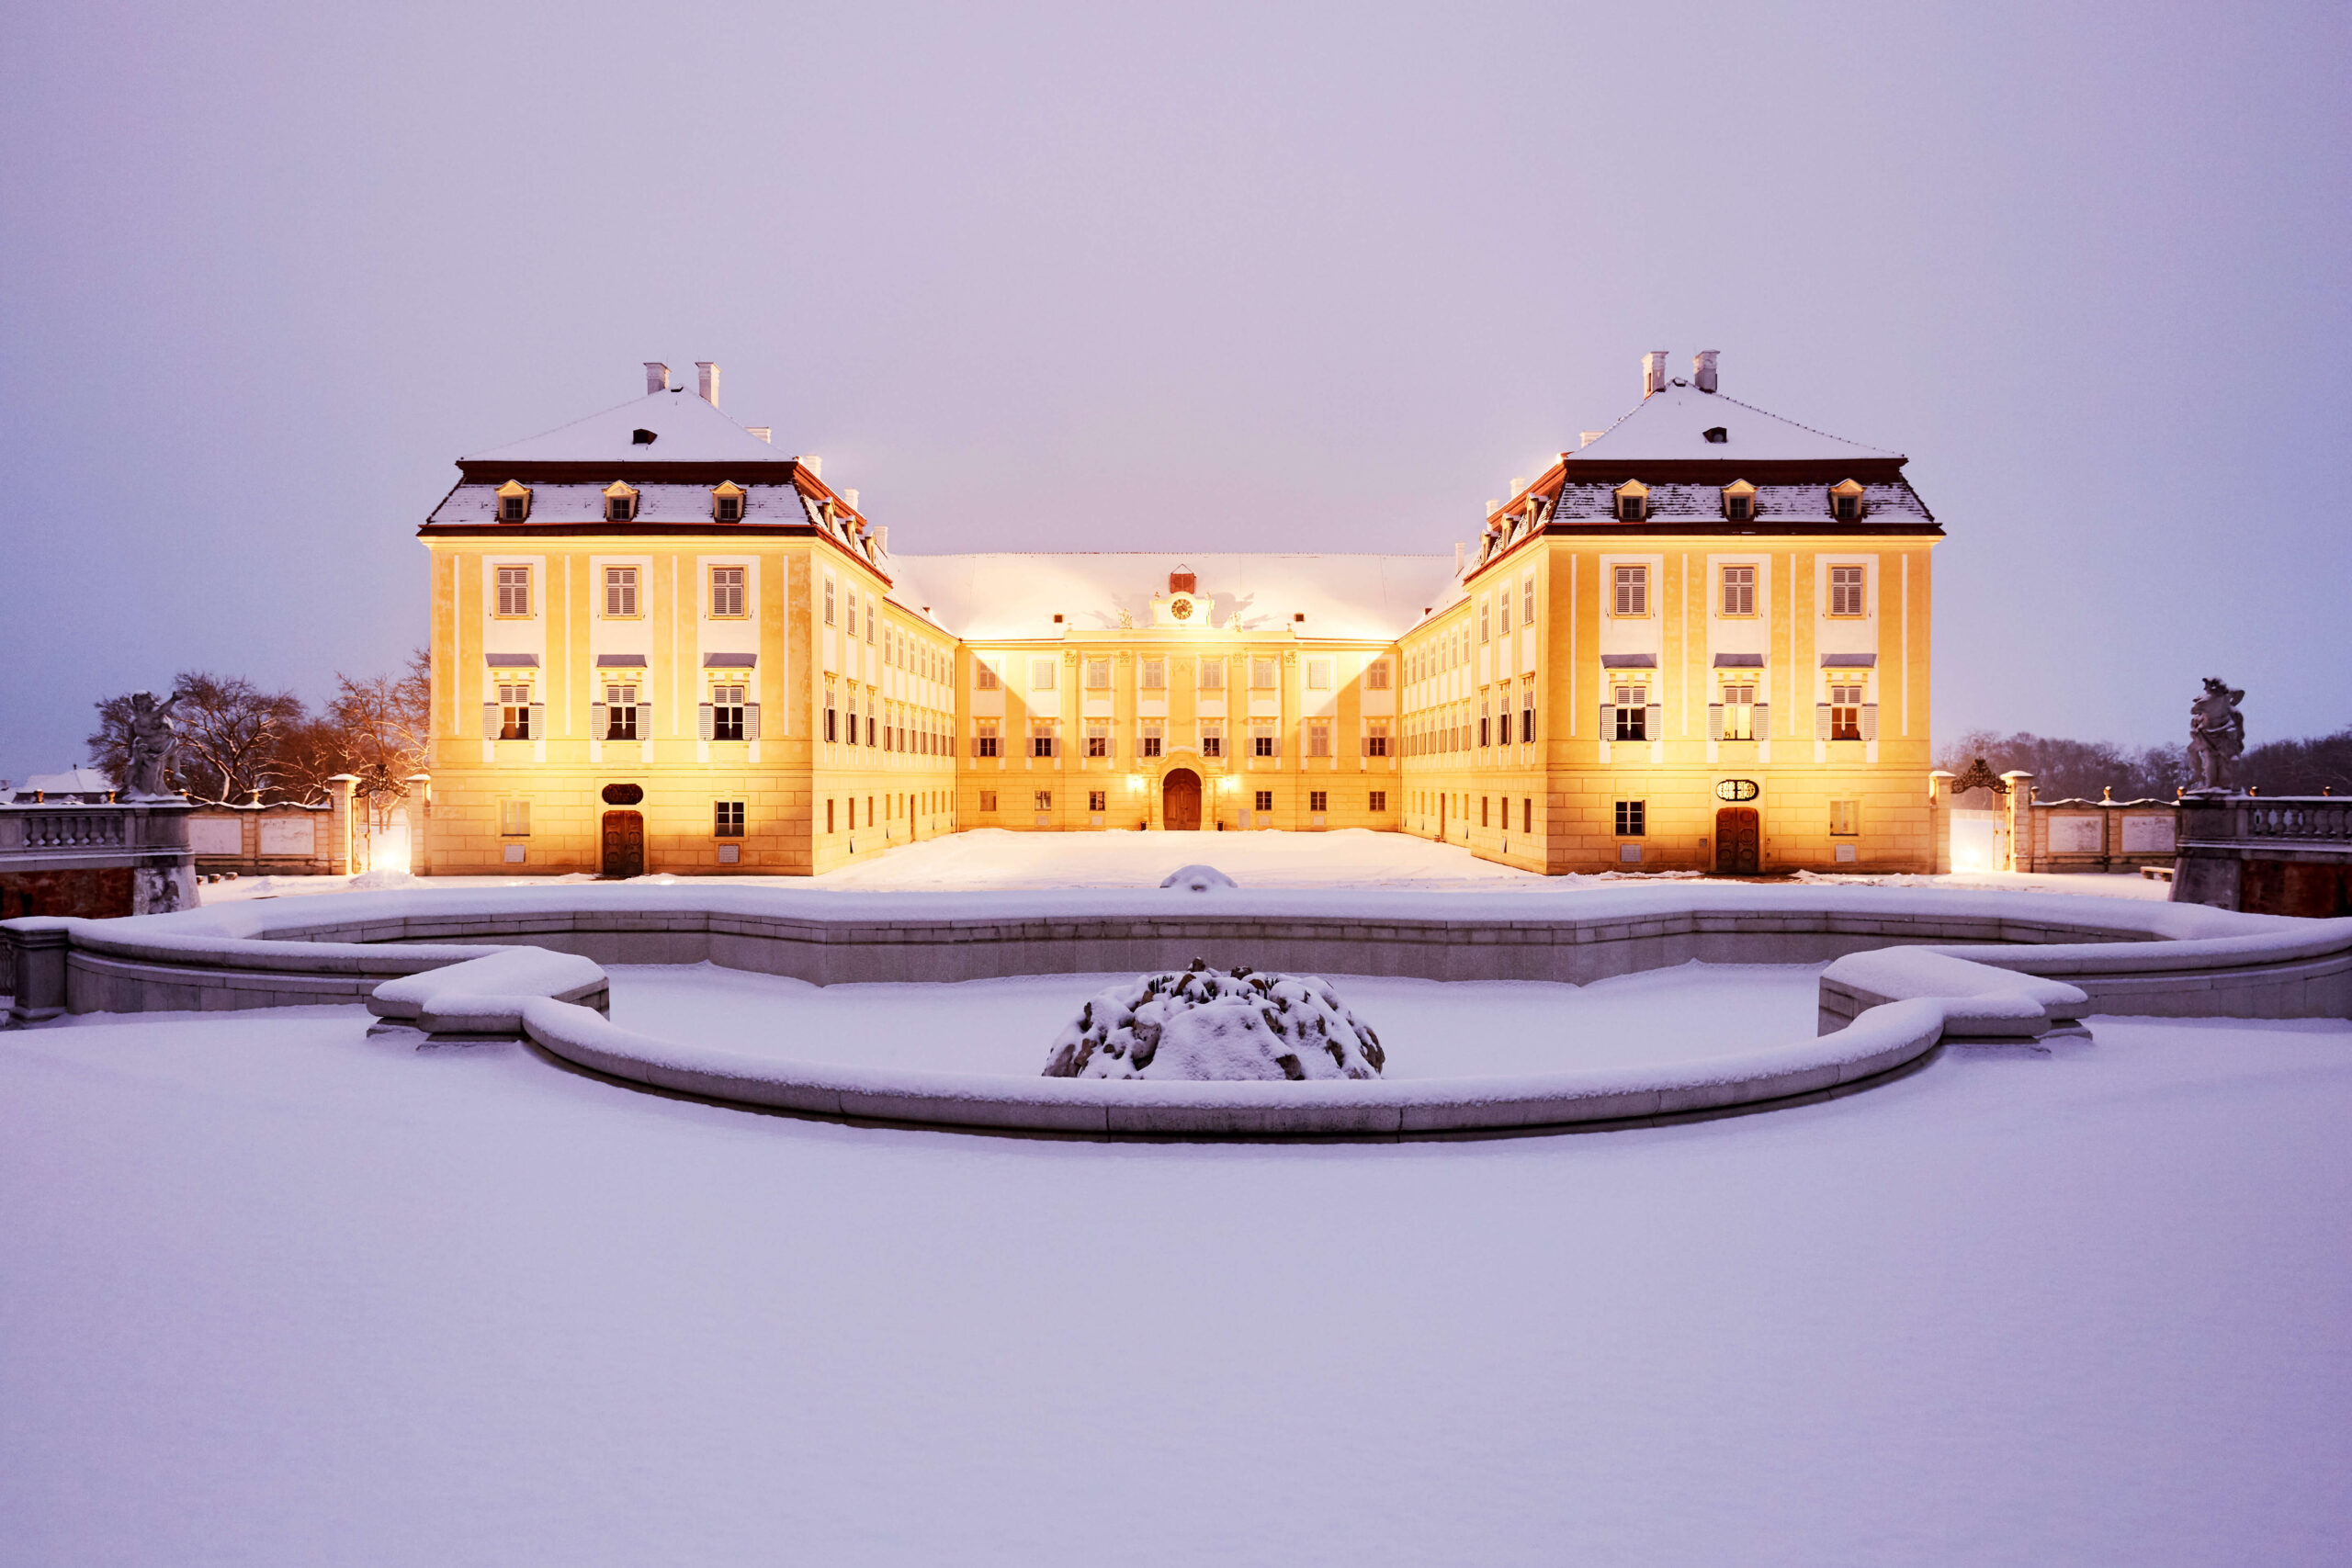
[[274, 1294]]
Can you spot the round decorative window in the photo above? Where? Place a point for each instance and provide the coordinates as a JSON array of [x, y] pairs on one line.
[[623, 794], [1738, 789], [1180, 608]]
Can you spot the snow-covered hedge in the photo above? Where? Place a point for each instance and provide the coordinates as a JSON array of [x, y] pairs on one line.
[[1208, 1026]]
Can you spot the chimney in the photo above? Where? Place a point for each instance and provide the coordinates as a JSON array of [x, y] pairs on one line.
[[1457, 557], [709, 388], [813, 463], [1493, 506], [1589, 436], [765, 433], [1703, 369], [1653, 371], [1517, 483], [657, 375], [882, 539]]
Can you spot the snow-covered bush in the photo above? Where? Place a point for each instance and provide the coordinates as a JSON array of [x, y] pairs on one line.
[[1205, 1024], [1197, 878]]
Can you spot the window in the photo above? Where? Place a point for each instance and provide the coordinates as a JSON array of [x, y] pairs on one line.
[[1098, 674], [1739, 591], [1526, 815], [514, 819], [1482, 812], [1041, 674], [1485, 724], [1527, 711], [1265, 800], [513, 590], [1846, 597], [988, 800], [727, 820], [1318, 674], [1212, 737], [620, 710], [727, 503], [1632, 713], [984, 677], [727, 713], [1739, 712], [1844, 711], [829, 816], [1153, 732], [1527, 601], [1041, 739], [1376, 801], [1485, 619], [1502, 611], [1740, 502], [1375, 739], [513, 711], [1261, 737], [829, 606], [514, 502], [1376, 675], [1318, 800], [869, 617], [1263, 677], [832, 730], [1632, 504], [1212, 674], [983, 738], [1845, 818], [620, 504], [1633, 818], [1318, 736], [1098, 737], [620, 590], [1502, 718], [1846, 503], [1096, 799], [1155, 675], [1633, 589], [727, 590], [1043, 799]]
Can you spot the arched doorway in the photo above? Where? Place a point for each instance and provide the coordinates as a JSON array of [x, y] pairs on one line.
[[1738, 843], [1180, 801], [624, 844]]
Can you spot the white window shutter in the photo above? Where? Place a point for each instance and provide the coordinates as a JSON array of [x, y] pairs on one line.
[[1714, 721], [490, 721], [1821, 721], [645, 721], [751, 721], [538, 722], [1653, 728], [702, 720], [1870, 721], [1763, 721], [1608, 721], [599, 720]]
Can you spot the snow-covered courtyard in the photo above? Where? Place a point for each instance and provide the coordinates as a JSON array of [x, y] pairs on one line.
[[279, 1293]]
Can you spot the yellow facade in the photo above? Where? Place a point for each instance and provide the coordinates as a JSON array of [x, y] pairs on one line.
[[1687, 646]]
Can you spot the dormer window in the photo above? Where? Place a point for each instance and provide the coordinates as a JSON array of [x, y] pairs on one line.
[[620, 503], [642, 437], [727, 503], [1739, 501], [1633, 502], [1846, 503], [1716, 435], [514, 502]]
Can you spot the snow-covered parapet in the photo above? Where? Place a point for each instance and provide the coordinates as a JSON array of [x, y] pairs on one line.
[[1198, 878], [1208, 1026]]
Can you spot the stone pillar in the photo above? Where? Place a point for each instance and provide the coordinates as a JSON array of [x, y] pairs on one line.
[[1940, 820], [2024, 853], [37, 946], [163, 876], [2206, 865], [339, 790], [419, 806]]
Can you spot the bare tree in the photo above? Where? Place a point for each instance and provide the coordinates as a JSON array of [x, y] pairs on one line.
[[230, 733], [382, 724]]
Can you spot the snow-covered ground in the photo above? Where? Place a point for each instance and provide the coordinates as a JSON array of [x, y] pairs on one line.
[[274, 1294], [1429, 1029], [989, 858]]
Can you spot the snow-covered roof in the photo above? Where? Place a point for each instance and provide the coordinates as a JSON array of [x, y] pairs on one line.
[[1777, 505], [1671, 426], [1017, 595], [73, 781], [687, 428], [773, 500]]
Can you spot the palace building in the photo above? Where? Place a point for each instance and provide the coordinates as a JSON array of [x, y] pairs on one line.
[[1699, 640]]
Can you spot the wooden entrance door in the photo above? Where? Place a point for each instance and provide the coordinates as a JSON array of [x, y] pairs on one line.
[[1738, 843], [624, 844], [1180, 801]]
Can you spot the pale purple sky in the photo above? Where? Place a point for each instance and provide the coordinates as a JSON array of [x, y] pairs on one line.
[[1249, 276]]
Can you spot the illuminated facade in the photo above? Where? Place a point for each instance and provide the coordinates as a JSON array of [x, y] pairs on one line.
[[1698, 641]]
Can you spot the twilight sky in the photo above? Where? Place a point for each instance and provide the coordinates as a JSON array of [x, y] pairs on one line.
[[1206, 277]]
